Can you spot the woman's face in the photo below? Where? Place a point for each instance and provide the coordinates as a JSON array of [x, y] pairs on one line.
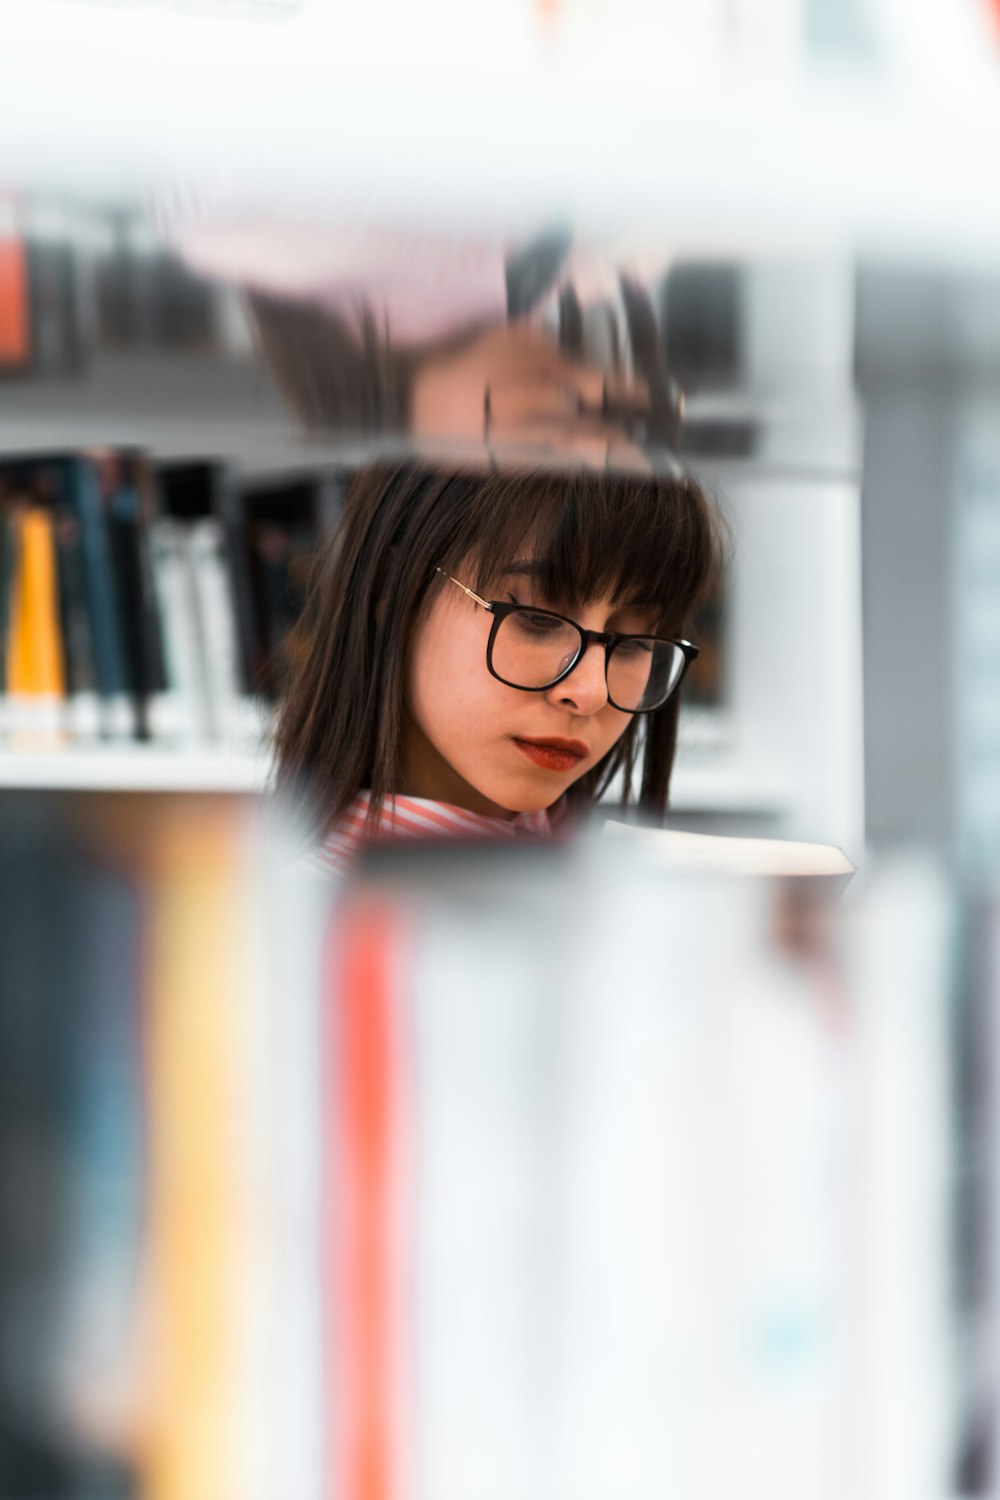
[[475, 742]]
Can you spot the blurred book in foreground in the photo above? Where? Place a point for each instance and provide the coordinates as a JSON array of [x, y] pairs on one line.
[[532, 1169], [737, 856]]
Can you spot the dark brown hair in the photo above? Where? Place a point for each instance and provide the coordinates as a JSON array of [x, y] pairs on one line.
[[645, 539]]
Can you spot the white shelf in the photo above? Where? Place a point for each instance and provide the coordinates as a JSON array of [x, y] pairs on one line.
[[135, 768], [621, 120], [725, 789]]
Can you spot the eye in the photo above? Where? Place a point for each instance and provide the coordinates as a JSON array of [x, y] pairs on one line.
[[530, 622], [632, 649]]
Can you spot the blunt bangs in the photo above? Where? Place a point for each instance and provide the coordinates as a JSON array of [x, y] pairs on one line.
[[643, 540]]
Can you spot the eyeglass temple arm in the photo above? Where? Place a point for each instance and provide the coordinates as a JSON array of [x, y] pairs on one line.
[[484, 602]]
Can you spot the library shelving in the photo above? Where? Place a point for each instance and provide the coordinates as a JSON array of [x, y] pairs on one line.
[[777, 750]]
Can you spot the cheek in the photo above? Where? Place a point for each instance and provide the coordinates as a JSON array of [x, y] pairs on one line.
[[611, 727], [447, 677]]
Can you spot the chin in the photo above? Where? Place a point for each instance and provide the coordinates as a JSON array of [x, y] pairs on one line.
[[526, 799]]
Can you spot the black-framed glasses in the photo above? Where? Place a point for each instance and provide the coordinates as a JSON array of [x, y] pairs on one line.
[[533, 649]]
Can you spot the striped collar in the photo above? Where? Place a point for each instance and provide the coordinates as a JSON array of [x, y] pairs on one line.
[[420, 818]]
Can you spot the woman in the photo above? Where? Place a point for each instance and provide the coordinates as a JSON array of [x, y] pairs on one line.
[[487, 650]]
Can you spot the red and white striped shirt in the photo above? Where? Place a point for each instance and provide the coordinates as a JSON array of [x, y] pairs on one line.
[[419, 818]]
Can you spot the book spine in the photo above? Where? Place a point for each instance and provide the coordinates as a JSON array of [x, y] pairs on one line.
[[194, 1247], [282, 544], [180, 713], [139, 620], [34, 1060], [15, 323], [248, 627], [150, 620], [269, 545], [367, 1309], [35, 672], [105, 1156], [117, 715], [8, 559], [218, 632], [82, 705]]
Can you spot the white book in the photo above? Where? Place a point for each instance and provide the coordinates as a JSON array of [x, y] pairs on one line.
[[117, 717], [717, 854], [82, 714], [234, 718], [182, 712]]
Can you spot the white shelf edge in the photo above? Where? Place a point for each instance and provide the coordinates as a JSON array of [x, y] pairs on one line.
[[138, 768], [134, 768]]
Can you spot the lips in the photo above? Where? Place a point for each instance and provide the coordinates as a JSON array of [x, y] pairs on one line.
[[553, 754]]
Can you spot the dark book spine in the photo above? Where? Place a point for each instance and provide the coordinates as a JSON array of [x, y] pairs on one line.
[[71, 1141], [74, 613], [282, 547], [154, 651], [270, 552], [101, 585], [250, 647], [56, 340], [136, 596]]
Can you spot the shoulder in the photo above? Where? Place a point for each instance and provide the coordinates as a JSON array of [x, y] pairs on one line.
[[405, 817]]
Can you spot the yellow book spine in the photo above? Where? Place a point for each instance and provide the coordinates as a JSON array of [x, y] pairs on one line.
[[35, 665], [190, 1446]]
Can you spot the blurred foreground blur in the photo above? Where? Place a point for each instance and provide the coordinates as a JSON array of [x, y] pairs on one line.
[[526, 1171], [497, 1171]]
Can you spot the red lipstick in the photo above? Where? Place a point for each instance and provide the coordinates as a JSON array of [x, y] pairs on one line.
[[553, 754]]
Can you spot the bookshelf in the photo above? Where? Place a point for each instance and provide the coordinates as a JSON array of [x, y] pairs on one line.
[[696, 789], [780, 754], [134, 768]]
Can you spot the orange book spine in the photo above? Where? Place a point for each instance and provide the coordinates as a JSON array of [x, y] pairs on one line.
[[34, 648], [14, 327]]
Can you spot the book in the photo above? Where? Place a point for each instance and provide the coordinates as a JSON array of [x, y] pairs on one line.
[[35, 675], [15, 331], [193, 1037], [122, 483], [231, 511], [232, 717], [8, 559], [720, 855], [281, 525], [34, 1059], [367, 1300], [83, 479], [182, 711], [82, 703], [56, 336], [211, 638]]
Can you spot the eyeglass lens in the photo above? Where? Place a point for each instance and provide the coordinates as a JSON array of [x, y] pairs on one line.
[[531, 650]]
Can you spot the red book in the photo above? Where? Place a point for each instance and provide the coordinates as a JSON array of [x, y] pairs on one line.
[[14, 328], [363, 1203]]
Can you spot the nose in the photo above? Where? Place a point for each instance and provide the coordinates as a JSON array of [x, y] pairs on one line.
[[585, 690]]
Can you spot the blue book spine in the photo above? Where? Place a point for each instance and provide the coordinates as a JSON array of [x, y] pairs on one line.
[[102, 592]]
